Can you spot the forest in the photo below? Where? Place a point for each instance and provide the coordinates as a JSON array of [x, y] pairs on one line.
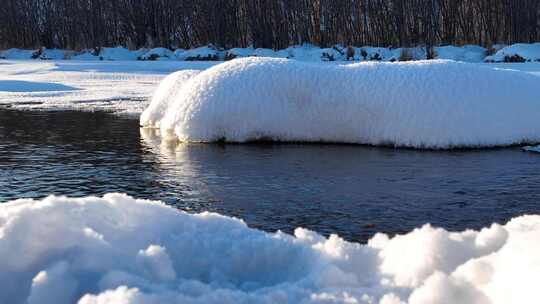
[[82, 24]]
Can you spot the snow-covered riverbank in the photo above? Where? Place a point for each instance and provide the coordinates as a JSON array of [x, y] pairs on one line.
[[520, 52], [117, 249], [116, 86], [120, 86], [126, 88]]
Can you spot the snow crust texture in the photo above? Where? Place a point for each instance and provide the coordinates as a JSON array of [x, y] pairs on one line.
[[421, 104], [117, 249]]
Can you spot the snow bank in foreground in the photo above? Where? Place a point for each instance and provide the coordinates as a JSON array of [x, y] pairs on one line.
[[520, 52], [117, 249], [428, 104]]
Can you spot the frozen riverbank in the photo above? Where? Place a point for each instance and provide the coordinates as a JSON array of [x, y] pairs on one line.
[[114, 86], [520, 52], [122, 250], [120, 86]]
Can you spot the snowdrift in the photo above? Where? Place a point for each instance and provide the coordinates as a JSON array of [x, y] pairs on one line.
[[120, 53], [117, 249], [466, 53], [426, 104], [520, 52], [18, 54]]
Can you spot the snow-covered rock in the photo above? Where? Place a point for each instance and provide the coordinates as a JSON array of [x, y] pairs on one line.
[[239, 53], [368, 53], [158, 54], [308, 52], [535, 149], [178, 54], [205, 53], [18, 54], [262, 52], [85, 55], [117, 249], [467, 53], [120, 53], [422, 104], [55, 54], [520, 52]]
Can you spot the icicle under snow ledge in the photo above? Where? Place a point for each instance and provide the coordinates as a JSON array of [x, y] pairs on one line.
[[426, 104]]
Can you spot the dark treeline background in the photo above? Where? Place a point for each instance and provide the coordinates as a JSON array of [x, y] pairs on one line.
[[78, 24]]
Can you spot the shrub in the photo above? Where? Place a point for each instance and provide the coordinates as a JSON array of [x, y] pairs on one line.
[[350, 53]]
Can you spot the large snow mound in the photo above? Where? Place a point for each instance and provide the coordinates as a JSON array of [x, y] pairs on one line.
[[520, 52], [425, 104], [117, 249]]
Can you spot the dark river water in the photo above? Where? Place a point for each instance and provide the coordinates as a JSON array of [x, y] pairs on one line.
[[353, 191]]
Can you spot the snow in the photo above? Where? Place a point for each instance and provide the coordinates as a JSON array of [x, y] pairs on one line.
[[117, 249], [17, 54], [85, 55], [178, 53], [120, 53], [421, 104], [467, 53], [532, 149], [239, 53], [159, 54], [166, 93], [516, 52], [308, 52], [30, 86], [368, 53], [262, 52], [55, 54], [303, 52], [123, 87], [205, 53]]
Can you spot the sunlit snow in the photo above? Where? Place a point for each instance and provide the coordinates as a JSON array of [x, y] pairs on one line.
[[422, 104], [117, 249]]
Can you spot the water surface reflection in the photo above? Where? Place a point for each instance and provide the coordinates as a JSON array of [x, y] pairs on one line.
[[350, 190]]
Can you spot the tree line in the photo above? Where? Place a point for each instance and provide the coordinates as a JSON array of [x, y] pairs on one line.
[[81, 24]]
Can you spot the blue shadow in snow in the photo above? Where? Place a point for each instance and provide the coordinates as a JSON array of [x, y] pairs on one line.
[[30, 86]]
